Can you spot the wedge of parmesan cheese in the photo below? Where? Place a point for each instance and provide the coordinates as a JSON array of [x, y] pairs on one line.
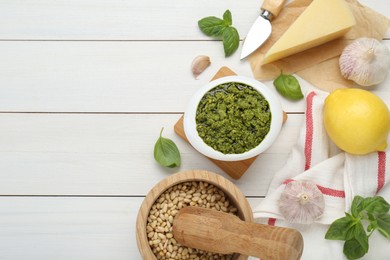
[[322, 21]]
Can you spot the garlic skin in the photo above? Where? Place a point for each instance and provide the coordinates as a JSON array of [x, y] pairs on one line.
[[301, 202], [366, 61], [199, 64]]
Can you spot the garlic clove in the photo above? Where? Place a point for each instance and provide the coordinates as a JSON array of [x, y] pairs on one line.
[[366, 61], [301, 202], [199, 64]]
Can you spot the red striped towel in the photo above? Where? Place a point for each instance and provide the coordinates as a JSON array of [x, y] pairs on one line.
[[339, 176]]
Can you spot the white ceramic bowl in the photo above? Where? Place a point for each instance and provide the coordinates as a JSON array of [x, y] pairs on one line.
[[197, 142]]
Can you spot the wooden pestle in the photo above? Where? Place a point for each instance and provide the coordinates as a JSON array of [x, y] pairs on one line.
[[224, 233]]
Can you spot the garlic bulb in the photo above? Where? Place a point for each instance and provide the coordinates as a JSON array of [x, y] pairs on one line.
[[365, 61], [199, 64], [301, 202]]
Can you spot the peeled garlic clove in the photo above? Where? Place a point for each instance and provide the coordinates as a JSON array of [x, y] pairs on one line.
[[301, 202], [199, 64], [365, 61]]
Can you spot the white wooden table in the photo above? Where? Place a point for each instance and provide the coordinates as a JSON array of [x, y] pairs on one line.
[[85, 87]]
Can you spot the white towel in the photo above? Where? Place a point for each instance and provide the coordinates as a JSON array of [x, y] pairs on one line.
[[339, 175]]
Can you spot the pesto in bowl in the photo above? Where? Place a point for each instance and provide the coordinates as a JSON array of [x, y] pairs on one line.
[[233, 118]]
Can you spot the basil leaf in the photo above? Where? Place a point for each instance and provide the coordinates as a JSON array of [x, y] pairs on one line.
[[353, 249], [357, 206], [227, 17], [371, 217], [376, 205], [372, 226], [361, 236], [222, 29], [351, 228], [166, 152], [212, 26], [288, 86], [350, 233], [231, 40], [383, 222], [338, 230]]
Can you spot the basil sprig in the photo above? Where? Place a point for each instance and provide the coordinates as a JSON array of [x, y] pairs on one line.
[[221, 28], [166, 152], [371, 211], [288, 86]]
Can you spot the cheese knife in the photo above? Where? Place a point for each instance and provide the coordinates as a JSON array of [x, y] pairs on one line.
[[261, 28]]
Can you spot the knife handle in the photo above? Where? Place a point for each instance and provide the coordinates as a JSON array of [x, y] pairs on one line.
[[273, 6]]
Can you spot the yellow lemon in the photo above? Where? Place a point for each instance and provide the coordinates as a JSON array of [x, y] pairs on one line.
[[357, 121]]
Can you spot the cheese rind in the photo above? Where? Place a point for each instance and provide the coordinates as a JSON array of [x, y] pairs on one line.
[[322, 21]]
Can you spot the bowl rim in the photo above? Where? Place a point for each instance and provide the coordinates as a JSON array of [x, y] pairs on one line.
[[197, 142]]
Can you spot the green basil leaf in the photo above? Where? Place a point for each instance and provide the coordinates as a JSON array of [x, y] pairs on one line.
[[383, 222], [338, 230], [227, 17], [222, 28], [212, 26], [353, 249], [231, 40], [376, 205], [288, 86], [373, 225], [361, 236], [350, 233], [371, 217], [166, 152], [357, 206], [372, 210]]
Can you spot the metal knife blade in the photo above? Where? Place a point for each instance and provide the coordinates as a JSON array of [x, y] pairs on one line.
[[261, 29], [257, 35]]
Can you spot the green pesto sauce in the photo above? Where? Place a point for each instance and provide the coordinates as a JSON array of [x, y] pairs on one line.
[[233, 118]]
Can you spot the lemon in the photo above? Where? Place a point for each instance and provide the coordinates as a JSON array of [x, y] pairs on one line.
[[356, 120]]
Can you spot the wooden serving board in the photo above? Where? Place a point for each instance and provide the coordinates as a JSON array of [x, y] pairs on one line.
[[236, 168]]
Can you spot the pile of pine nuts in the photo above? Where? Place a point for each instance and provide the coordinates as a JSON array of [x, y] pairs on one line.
[[168, 204]]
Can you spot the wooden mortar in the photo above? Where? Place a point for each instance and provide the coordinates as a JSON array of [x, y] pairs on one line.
[[231, 191]]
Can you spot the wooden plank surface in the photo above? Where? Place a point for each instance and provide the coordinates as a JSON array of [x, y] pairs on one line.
[[109, 154], [68, 228], [124, 20], [111, 76], [116, 19], [107, 76], [85, 87]]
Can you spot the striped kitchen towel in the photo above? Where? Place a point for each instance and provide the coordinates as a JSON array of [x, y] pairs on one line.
[[338, 175]]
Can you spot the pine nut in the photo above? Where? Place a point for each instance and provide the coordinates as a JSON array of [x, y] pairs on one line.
[[166, 207]]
